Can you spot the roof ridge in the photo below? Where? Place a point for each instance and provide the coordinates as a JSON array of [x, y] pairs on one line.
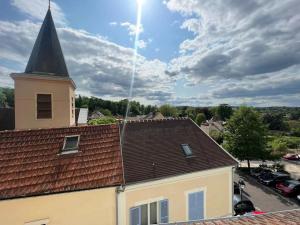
[[58, 128], [156, 120], [235, 217]]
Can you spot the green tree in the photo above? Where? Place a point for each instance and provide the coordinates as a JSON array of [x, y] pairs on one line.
[[217, 136], [106, 112], [200, 118], [168, 110], [245, 135], [7, 97], [224, 111], [275, 121], [2, 99], [104, 120], [279, 147], [191, 112]]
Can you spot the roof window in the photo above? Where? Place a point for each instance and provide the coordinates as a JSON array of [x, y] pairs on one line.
[[71, 144], [187, 150]]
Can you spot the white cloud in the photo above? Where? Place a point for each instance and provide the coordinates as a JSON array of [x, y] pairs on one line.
[[113, 23], [6, 81], [193, 25], [36, 9], [142, 44], [238, 43], [132, 28], [99, 67]]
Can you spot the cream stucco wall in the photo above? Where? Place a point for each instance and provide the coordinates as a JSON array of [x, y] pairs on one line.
[[93, 207], [26, 90], [216, 184]]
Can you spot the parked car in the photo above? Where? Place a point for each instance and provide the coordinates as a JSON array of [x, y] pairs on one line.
[[295, 157], [242, 207], [289, 188], [271, 179], [236, 193], [255, 172]]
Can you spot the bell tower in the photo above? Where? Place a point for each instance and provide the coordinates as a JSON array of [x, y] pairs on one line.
[[45, 93]]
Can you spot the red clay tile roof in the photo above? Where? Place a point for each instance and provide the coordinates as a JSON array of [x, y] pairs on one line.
[[288, 217], [152, 150], [30, 163]]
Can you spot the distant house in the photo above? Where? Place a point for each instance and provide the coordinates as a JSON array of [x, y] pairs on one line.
[[150, 116], [212, 125], [173, 172], [96, 115]]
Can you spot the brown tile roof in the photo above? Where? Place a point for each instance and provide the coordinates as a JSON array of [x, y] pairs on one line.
[[30, 163], [152, 150], [288, 217]]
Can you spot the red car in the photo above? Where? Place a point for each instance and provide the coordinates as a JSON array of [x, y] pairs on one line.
[[289, 188], [292, 157]]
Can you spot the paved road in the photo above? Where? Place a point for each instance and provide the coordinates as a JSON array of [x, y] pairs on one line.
[[264, 198]]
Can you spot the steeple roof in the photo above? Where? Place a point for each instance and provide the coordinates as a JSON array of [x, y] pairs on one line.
[[47, 57]]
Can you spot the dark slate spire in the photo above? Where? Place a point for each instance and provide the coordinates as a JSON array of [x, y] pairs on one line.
[[46, 56]]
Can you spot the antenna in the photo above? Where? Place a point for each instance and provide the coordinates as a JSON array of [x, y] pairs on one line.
[[49, 4]]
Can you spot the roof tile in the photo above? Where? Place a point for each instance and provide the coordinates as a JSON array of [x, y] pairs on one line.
[[31, 163]]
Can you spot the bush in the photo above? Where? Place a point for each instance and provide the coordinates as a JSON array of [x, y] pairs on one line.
[[106, 112], [103, 120], [217, 136], [200, 118], [279, 147], [296, 132], [168, 110]]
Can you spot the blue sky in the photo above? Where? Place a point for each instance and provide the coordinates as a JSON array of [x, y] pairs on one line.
[[190, 52]]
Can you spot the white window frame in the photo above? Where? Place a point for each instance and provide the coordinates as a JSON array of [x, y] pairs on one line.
[[202, 189], [148, 202], [65, 151], [38, 222]]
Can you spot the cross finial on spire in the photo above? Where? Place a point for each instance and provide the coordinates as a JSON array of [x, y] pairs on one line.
[[49, 4]]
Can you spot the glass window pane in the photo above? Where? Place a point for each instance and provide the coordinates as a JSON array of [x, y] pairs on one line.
[[144, 214], [71, 142], [187, 150], [164, 211], [196, 206], [135, 216], [153, 213]]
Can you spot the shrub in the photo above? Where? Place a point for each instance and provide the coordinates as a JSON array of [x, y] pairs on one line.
[[217, 136], [103, 120]]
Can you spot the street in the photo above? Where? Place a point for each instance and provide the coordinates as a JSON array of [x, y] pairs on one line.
[[264, 198]]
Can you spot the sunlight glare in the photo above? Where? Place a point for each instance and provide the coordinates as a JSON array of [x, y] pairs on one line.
[[134, 62]]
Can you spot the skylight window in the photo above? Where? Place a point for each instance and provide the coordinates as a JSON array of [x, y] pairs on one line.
[[70, 144], [187, 150]]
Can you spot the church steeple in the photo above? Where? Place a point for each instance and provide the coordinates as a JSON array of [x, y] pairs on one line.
[[46, 57], [44, 93]]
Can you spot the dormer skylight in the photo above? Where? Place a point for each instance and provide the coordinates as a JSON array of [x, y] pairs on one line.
[[71, 144], [187, 150]]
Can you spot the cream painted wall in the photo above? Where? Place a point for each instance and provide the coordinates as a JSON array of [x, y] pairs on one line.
[[217, 186], [93, 207], [26, 89]]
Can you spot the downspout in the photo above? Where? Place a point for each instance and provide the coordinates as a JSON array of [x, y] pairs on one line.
[[119, 190], [232, 190]]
